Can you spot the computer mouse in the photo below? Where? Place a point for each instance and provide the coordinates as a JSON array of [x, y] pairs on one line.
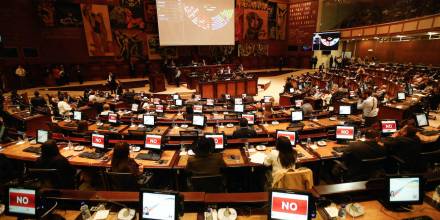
[[160, 161]]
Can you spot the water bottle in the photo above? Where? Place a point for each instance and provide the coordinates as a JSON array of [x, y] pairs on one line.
[[342, 213], [85, 212], [358, 134], [309, 142]]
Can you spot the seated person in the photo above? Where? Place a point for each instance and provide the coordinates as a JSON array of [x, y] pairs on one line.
[[83, 127], [92, 96], [205, 162], [37, 100], [52, 159], [283, 157], [106, 110], [307, 109], [244, 131], [121, 162], [357, 151], [63, 106], [189, 112]]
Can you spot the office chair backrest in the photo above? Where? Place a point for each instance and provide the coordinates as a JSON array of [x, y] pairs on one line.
[[430, 157], [231, 117], [193, 133], [122, 181], [211, 184], [298, 179], [47, 178]]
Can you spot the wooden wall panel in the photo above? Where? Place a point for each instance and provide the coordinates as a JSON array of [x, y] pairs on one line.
[[370, 31], [395, 28], [232, 90], [241, 88], [221, 89], [425, 23], [410, 26]]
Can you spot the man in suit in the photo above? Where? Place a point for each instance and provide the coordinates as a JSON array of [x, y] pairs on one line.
[[244, 131], [37, 100]]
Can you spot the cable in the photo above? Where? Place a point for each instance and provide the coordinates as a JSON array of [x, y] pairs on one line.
[[382, 210], [50, 210]]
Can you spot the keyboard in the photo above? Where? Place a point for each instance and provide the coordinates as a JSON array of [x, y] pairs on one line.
[[340, 149], [430, 133], [422, 217], [35, 150], [91, 155], [105, 127], [298, 124], [146, 129], [148, 156]]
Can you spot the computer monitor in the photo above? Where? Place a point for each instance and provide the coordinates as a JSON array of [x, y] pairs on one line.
[[227, 96], [175, 96], [344, 110], [292, 135], [250, 118], [134, 107], [291, 90], [219, 140], [99, 141], [159, 108], [403, 191], [345, 133], [422, 120], [22, 202], [153, 142], [352, 94], [243, 95], [297, 116], [239, 108], [401, 96], [159, 205], [267, 99], [113, 118], [300, 86], [149, 120], [289, 204], [238, 101], [156, 101], [42, 136], [331, 108], [178, 102], [298, 103], [198, 108], [388, 126], [198, 120], [210, 102], [77, 115]]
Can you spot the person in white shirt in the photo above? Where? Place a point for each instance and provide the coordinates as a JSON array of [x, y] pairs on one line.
[[326, 98], [92, 96], [106, 110], [369, 107], [283, 157], [63, 106], [21, 73]]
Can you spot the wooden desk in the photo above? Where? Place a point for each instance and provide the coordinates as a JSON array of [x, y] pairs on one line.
[[227, 153], [115, 130], [230, 131], [159, 130], [325, 152], [175, 131], [307, 156], [234, 87], [308, 126], [168, 157]]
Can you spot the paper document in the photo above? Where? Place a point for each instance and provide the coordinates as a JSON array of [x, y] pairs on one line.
[[258, 157]]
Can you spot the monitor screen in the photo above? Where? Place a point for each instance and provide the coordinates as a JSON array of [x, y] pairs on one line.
[[352, 94], [401, 96], [134, 107], [405, 190], [153, 141], [300, 86], [219, 140], [198, 120], [157, 205], [178, 102], [297, 116], [250, 118], [291, 90], [389, 126], [112, 118], [298, 103], [77, 115], [238, 108], [331, 108], [198, 108], [42, 136], [159, 108], [422, 120], [267, 99], [326, 41], [210, 102], [243, 95], [238, 101], [156, 101], [286, 205], [227, 96], [175, 96], [292, 135], [344, 110], [98, 141], [149, 120], [22, 202], [345, 132]]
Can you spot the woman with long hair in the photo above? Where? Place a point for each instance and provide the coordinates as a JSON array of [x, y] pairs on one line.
[[121, 161], [283, 157]]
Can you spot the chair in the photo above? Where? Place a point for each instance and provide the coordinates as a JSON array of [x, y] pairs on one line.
[[370, 168], [231, 117], [429, 159], [47, 178], [135, 134], [121, 181], [191, 133], [209, 184], [296, 179]]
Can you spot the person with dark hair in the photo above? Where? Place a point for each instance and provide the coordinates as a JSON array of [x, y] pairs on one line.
[[244, 131], [283, 157], [121, 161], [205, 162], [83, 126], [369, 106], [37, 100], [52, 159], [189, 112]]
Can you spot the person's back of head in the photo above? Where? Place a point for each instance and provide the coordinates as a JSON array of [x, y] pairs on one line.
[[36, 93], [372, 134], [120, 154], [243, 122], [204, 146], [83, 126], [307, 108], [287, 155], [49, 150], [106, 107]]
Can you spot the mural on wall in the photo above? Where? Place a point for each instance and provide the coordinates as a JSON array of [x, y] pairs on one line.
[[128, 15], [67, 14], [253, 49], [156, 52], [281, 21], [255, 24], [97, 30], [46, 13], [150, 18], [130, 44], [239, 19], [272, 20]]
